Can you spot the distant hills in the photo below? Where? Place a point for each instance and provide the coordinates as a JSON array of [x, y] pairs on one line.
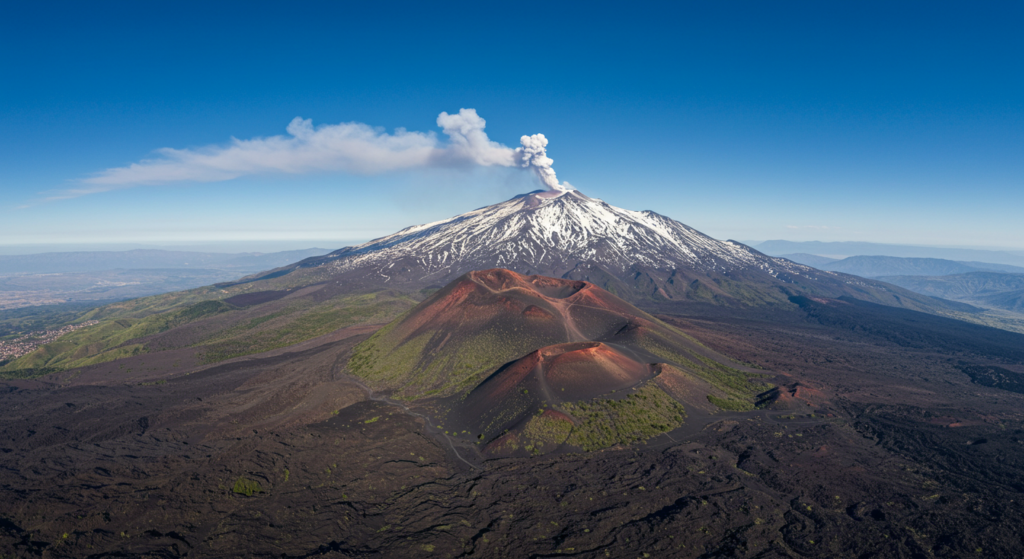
[[879, 266], [983, 284], [814, 260], [148, 259], [31, 280], [840, 250], [985, 289]]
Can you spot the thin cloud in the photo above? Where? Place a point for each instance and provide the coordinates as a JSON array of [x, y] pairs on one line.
[[347, 147]]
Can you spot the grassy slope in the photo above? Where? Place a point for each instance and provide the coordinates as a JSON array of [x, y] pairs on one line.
[[452, 368], [740, 387], [122, 324], [110, 339], [601, 423], [302, 321], [18, 322]]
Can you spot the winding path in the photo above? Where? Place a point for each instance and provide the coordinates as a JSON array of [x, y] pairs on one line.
[[370, 394]]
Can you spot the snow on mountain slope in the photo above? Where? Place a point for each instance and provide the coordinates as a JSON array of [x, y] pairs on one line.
[[640, 256], [552, 232]]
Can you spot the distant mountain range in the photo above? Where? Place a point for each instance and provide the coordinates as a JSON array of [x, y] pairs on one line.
[[844, 249], [30, 280], [986, 289], [983, 284], [879, 266]]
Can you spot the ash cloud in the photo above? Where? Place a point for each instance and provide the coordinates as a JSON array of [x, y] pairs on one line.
[[347, 147]]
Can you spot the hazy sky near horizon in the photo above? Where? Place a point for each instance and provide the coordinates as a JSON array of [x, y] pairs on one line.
[[834, 121]]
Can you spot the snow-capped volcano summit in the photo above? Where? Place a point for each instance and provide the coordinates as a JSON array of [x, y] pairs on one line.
[[553, 233], [636, 254], [549, 232]]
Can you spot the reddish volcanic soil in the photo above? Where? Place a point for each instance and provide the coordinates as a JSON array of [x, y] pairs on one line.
[[499, 279], [486, 320], [555, 309], [587, 370], [548, 376], [560, 341]]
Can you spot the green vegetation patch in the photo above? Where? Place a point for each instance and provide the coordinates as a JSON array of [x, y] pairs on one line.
[[544, 432], [247, 487], [18, 322], [735, 383], [123, 323], [383, 363], [740, 387], [303, 321], [601, 423], [158, 304], [106, 341], [730, 404], [752, 294], [426, 364], [25, 373]]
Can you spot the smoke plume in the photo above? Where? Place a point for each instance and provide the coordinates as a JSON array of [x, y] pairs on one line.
[[347, 147], [534, 155]]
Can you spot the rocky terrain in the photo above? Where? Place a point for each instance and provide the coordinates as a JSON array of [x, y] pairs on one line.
[[875, 443]]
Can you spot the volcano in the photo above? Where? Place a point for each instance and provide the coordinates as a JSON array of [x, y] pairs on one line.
[[639, 255], [303, 413], [532, 361]]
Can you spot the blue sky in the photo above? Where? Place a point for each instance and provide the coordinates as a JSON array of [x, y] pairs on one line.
[[883, 122]]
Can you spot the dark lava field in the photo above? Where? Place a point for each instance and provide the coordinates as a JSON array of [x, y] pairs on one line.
[[881, 440]]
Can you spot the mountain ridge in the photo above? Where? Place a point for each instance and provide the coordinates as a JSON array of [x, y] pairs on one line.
[[842, 249], [987, 289], [878, 266], [638, 255], [578, 223]]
